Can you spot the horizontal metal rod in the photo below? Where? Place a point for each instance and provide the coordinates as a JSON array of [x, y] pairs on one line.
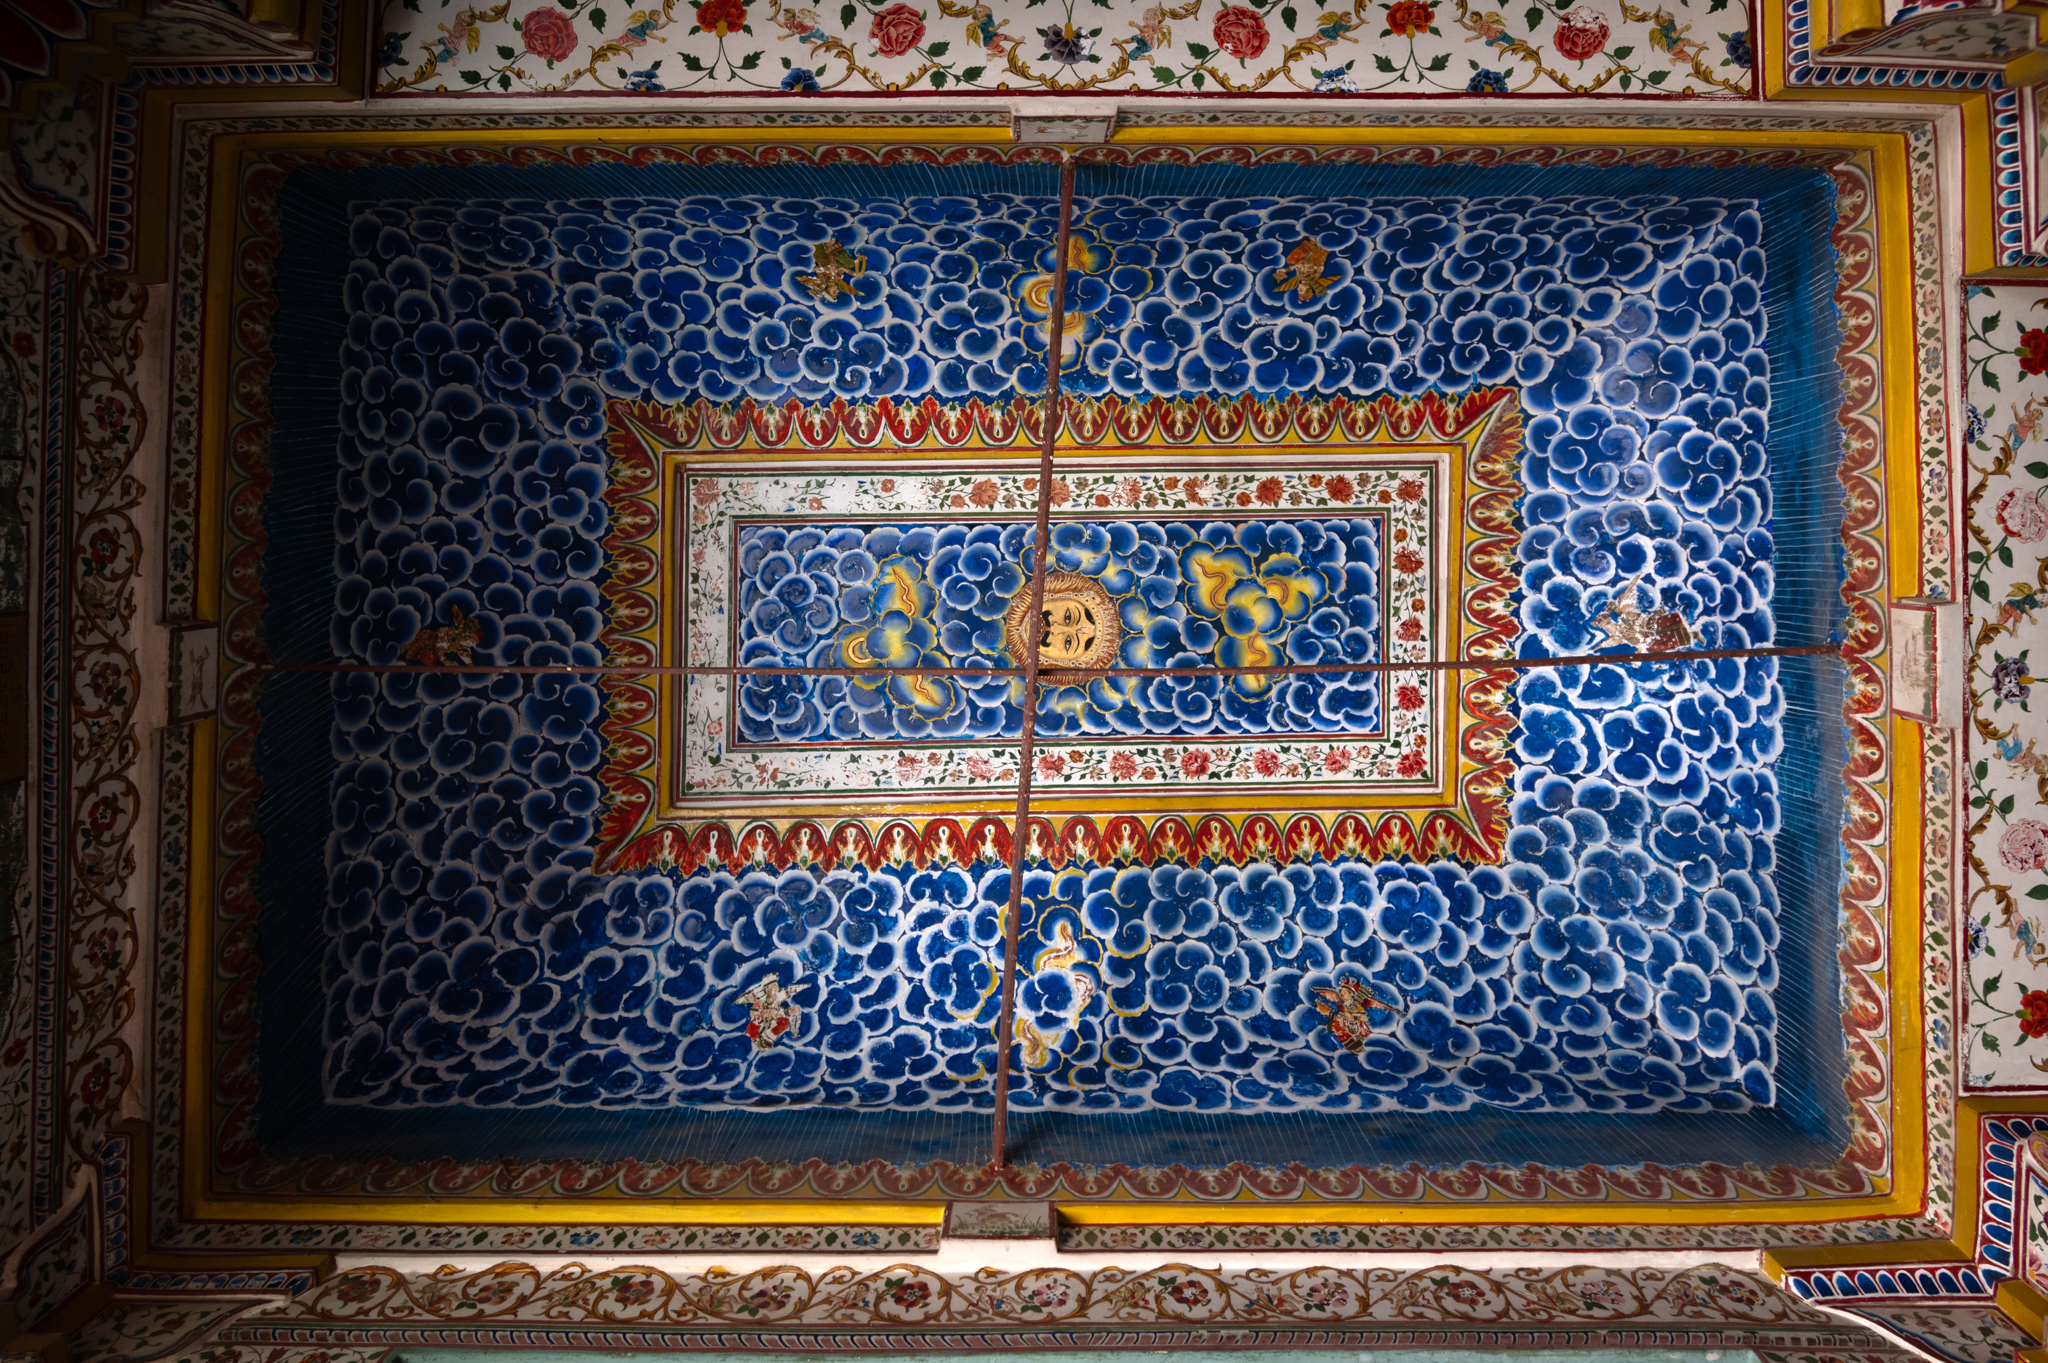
[[995, 673]]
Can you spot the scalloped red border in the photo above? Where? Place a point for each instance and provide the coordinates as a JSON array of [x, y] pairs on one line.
[[1473, 832]]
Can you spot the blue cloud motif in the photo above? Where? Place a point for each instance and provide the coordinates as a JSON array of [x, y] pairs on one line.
[[1240, 594], [1621, 959]]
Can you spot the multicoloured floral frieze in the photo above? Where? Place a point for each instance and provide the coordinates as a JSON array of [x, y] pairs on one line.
[[641, 1299], [2005, 945], [1194, 47], [1959, 1333]]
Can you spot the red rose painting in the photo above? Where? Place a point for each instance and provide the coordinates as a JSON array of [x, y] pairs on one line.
[[2034, 351], [1581, 33], [1240, 32], [549, 34], [722, 16], [896, 30], [2033, 1014], [1410, 17]]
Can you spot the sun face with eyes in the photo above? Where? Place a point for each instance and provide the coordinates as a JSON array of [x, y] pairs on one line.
[[1069, 631], [1077, 627]]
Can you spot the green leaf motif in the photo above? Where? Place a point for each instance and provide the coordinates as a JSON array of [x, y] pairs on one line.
[[471, 77], [1163, 76], [1288, 15], [597, 20], [1991, 1043], [1623, 53], [1532, 17], [1200, 52], [1379, 59], [1440, 61], [1657, 78], [1992, 985], [938, 80], [505, 54], [970, 75], [750, 61], [1198, 80], [692, 63], [2038, 469], [1991, 323], [1991, 380], [937, 50], [1624, 80], [847, 14]]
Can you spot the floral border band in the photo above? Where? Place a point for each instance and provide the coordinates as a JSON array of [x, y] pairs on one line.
[[649, 1301]]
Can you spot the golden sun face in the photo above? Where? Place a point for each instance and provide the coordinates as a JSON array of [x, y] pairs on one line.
[[1077, 627], [1069, 632]]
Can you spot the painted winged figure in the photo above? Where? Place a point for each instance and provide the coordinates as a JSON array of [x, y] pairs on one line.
[[1303, 271], [1347, 1011], [772, 1013], [1624, 621]]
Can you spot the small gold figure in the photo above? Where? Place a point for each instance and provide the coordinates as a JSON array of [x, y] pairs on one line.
[[835, 264], [1305, 265]]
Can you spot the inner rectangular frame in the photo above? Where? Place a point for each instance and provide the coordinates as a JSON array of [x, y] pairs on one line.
[[1445, 637], [1905, 752]]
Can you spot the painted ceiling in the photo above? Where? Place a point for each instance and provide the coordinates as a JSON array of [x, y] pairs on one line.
[[1560, 413], [613, 515]]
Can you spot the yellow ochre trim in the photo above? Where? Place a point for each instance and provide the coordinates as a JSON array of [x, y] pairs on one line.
[[1901, 1194], [2023, 1303]]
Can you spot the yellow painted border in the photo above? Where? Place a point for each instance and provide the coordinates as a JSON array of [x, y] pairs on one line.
[[1905, 1191]]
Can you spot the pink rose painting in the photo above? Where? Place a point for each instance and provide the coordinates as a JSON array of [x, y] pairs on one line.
[[1581, 33], [1240, 32], [896, 30], [2022, 517], [549, 34], [2024, 846]]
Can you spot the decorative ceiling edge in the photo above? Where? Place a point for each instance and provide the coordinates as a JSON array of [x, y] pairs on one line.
[[373, 1304], [1881, 1230], [1522, 117], [1999, 1253], [259, 1183]]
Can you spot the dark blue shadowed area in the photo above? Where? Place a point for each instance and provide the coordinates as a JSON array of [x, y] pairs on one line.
[[1651, 971]]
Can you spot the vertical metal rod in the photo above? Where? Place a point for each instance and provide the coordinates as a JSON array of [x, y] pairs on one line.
[[1056, 325]]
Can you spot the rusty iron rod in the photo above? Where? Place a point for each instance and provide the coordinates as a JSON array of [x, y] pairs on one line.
[[1041, 548]]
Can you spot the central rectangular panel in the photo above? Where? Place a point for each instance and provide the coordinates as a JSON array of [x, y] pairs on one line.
[[1331, 558]]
